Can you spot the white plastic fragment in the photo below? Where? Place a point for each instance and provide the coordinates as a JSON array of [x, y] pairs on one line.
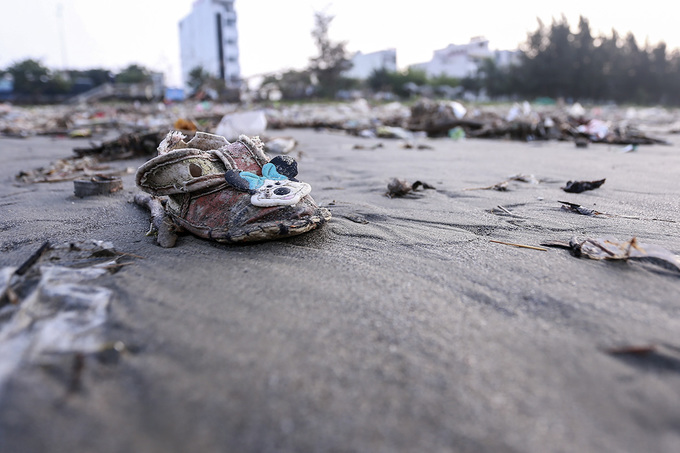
[[251, 123]]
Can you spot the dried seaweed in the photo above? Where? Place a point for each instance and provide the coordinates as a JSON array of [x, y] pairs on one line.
[[610, 248], [127, 146], [582, 186], [578, 209], [399, 188]]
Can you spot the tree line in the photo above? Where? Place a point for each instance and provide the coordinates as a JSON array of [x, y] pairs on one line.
[[556, 62], [31, 80]]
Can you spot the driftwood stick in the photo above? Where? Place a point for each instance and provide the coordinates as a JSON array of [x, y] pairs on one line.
[[161, 225], [520, 245]]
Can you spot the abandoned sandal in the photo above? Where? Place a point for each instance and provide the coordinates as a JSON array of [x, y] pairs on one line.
[[226, 192]]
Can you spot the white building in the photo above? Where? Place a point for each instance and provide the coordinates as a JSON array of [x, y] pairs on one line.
[[463, 60], [209, 39], [363, 65]]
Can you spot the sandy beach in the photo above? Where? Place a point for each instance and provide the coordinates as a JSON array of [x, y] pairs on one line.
[[399, 326]]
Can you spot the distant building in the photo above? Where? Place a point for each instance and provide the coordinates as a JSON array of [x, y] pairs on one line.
[[463, 60], [6, 87], [209, 39], [363, 65]]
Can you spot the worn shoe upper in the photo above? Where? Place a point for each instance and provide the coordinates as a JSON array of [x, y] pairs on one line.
[[229, 192]]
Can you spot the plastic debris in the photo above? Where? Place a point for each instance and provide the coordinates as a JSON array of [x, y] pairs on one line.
[[371, 147], [69, 169], [595, 129], [578, 209], [49, 305], [581, 142], [252, 123], [522, 121], [397, 188], [185, 124], [393, 132], [97, 185], [457, 133], [610, 248], [280, 145], [126, 146], [582, 186]]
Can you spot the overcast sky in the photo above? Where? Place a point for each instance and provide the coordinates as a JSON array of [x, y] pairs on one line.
[[276, 34]]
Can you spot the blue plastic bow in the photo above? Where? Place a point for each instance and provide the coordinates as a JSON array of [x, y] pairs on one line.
[[268, 172]]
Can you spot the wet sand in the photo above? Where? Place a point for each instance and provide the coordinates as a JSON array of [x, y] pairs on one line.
[[398, 326]]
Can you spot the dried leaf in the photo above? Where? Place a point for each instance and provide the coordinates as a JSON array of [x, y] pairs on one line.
[[582, 186]]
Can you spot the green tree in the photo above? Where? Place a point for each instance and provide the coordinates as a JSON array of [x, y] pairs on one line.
[[586, 77], [198, 77], [293, 85], [396, 82], [33, 79], [659, 73], [133, 74], [332, 60], [497, 81]]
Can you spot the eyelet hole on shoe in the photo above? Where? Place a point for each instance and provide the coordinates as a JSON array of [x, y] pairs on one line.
[[195, 170]]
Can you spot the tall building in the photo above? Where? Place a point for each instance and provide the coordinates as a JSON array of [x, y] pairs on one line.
[[208, 38]]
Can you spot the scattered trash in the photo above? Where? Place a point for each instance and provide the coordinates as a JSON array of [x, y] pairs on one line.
[[419, 146], [393, 132], [232, 125], [610, 248], [261, 199], [185, 125], [457, 133], [595, 129], [126, 146], [458, 109], [69, 169], [521, 121], [629, 149], [399, 188], [581, 142], [80, 133], [372, 147], [280, 145], [503, 211], [97, 185], [578, 209], [582, 186], [437, 119]]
